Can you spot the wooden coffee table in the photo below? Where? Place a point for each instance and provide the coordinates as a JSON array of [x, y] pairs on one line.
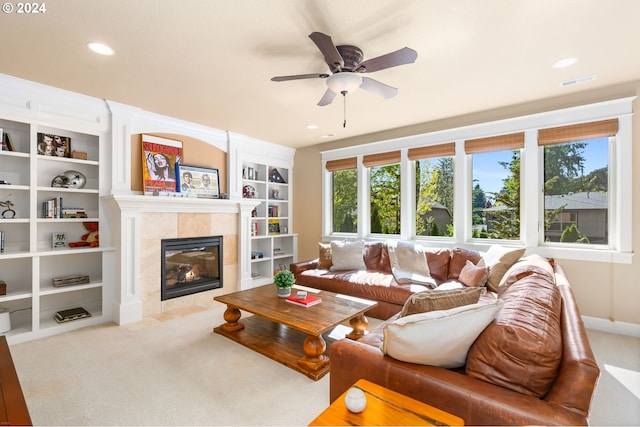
[[288, 333], [385, 408]]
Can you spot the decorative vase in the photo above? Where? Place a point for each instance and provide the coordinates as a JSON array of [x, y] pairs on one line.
[[284, 292], [355, 400]]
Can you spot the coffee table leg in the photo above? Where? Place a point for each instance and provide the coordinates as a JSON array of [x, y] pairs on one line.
[[232, 315], [359, 325], [314, 348]]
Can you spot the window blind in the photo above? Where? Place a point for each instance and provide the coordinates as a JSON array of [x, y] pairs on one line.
[[342, 164], [512, 141], [440, 150], [381, 159], [561, 134]]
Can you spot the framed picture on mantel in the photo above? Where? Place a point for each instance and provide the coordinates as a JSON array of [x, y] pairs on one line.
[[203, 182]]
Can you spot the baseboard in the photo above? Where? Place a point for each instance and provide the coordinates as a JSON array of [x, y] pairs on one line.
[[606, 325]]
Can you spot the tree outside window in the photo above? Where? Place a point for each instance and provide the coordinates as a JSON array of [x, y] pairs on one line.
[[385, 199], [434, 197], [345, 201], [496, 195]]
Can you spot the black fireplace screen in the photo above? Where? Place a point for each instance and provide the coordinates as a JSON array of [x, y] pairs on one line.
[[191, 265]]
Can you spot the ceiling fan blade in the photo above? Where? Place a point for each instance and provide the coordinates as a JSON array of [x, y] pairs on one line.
[[380, 89], [331, 55], [327, 98], [393, 59], [299, 77]]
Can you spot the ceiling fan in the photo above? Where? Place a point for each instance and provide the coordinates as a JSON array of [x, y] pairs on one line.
[[346, 65]]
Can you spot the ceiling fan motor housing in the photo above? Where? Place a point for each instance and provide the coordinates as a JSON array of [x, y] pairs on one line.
[[352, 56]]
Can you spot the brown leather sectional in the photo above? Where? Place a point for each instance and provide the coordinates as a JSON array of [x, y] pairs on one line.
[[377, 282], [533, 365]]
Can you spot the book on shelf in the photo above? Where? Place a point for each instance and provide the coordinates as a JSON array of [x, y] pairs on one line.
[[71, 314], [307, 302]]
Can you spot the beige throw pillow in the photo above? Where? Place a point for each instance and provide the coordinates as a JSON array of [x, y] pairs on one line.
[[438, 338], [324, 256], [435, 299], [499, 259], [347, 256], [473, 275]]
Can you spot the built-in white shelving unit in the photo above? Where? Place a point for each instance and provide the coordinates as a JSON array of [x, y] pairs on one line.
[[29, 262], [264, 174]]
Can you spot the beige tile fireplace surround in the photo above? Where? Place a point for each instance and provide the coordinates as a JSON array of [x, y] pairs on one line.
[[158, 226]]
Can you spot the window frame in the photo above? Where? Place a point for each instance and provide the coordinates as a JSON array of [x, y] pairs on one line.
[[531, 182]]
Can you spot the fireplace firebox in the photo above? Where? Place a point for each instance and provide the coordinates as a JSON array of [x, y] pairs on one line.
[[190, 265]]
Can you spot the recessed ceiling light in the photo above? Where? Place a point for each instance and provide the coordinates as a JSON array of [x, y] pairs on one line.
[[564, 63], [100, 48], [312, 127]]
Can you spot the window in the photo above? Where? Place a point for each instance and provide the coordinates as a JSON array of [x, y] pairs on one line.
[[384, 186], [495, 183], [434, 189], [344, 187], [562, 191], [576, 182]]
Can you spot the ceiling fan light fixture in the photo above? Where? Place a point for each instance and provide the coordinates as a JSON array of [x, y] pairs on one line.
[[345, 81]]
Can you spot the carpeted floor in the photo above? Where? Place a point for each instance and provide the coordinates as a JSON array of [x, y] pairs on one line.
[[178, 372]]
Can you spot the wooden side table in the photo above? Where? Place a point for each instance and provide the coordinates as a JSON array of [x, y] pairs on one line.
[[385, 408]]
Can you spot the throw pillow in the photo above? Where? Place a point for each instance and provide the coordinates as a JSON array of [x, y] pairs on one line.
[[324, 256], [347, 256], [409, 264], [499, 259], [473, 275], [432, 300], [439, 338]]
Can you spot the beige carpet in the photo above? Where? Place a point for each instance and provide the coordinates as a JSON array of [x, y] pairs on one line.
[[178, 372]]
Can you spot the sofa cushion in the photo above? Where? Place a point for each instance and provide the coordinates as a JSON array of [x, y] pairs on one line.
[[347, 255], [409, 263], [459, 257], [438, 260], [374, 255], [473, 275], [440, 338], [499, 259], [521, 349], [435, 299], [324, 256]]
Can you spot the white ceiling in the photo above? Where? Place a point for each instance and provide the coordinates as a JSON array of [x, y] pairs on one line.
[[210, 61]]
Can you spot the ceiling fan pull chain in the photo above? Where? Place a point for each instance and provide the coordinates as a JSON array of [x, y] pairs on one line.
[[344, 99]]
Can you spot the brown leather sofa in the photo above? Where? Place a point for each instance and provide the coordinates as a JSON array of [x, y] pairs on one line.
[[495, 387], [377, 282]]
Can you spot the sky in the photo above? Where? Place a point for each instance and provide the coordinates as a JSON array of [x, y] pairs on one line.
[[490, 174]]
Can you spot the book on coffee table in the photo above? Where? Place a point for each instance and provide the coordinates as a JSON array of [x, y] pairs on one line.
[[306, 302]]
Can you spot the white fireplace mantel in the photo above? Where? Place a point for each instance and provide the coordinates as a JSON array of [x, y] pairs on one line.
[[128, 304]]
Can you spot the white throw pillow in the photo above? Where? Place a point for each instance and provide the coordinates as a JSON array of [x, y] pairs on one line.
[[439, 338], [347, 256]]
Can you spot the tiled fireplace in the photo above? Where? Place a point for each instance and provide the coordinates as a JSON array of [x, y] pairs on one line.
[[147, 220]]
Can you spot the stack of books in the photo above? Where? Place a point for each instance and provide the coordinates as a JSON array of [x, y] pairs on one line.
[[306, 302]]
